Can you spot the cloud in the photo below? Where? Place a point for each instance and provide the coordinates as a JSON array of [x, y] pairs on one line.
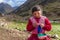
[[6, 0], [18, 2], [1, 1], [13, 2]]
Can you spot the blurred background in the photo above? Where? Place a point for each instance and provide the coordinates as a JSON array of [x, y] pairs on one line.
[[14, 14]]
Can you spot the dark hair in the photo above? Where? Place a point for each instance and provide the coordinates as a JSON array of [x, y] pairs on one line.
[[36, 8]]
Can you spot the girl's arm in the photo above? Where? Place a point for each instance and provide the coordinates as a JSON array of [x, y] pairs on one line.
[[47, 26], [29, 26]]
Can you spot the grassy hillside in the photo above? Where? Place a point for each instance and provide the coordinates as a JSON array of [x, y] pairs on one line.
[[51, 8]]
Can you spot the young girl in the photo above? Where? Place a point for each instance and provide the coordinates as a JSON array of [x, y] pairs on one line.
[[38, 20]]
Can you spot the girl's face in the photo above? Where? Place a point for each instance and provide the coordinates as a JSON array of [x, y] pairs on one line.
[[37, 14]]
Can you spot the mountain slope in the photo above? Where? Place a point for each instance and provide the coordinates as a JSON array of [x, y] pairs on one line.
[[51, 8], [5, 8]]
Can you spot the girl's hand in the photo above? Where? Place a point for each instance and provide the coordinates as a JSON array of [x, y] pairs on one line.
[[42, 25], [35, 24]]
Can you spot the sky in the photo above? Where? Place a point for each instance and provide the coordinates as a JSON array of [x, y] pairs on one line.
[[13, 3]]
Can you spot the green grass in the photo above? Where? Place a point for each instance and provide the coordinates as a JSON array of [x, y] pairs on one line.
[[15, 25], [22, 26], [55, 29]]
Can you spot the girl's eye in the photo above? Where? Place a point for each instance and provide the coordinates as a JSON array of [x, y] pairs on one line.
[[34, 13], [38, 13]]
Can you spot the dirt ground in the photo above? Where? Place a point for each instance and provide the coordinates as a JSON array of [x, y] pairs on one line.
[[13, 34]]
